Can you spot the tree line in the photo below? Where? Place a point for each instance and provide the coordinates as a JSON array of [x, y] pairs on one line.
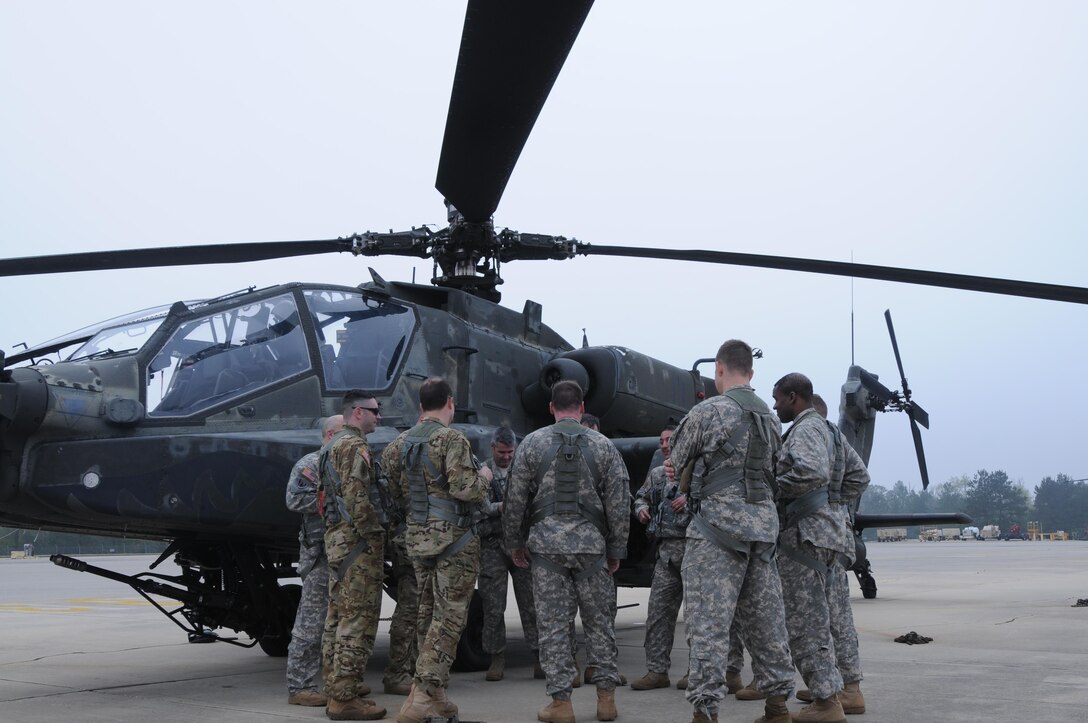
[[991, 498], [47, 543]]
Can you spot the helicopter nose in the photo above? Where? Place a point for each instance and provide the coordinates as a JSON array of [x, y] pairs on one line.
[[24, 399]]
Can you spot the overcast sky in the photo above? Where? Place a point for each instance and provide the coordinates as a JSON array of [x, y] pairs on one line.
[[937, 135]]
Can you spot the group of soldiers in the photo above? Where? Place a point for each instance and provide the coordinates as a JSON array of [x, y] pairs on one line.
[[752, 526]]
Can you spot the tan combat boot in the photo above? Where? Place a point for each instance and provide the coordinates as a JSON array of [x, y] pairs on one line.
[[498, 667], [704, 718], [750, 692], [851, 699], [441, 706], [804, 695], [733, 682], [606, 704], [651, 680], [397, 687], [682, 684], [775, 711], [821, 710], [558, 711], [308, 697], [354, 709], [417, 708]]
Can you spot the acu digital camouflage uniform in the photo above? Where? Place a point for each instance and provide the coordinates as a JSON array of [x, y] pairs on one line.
[[304, 651], [568, 550], [403, 639], [445, 554], [495, 566], [354, 543], [852, 485], [739, 579], [812, 548], [666, 587]]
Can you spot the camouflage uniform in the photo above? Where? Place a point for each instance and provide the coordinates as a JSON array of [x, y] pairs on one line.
[[666, 587], [811, 549], [495, 567], [304, 651], [569, 550], [741, 581], [855, 480], [403, 641], [734, 661], [445, 571], [355, 544]]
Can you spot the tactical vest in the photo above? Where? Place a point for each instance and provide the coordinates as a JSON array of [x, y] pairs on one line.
[[794, 510], [568, 453], [492, 526], [417, 467], [837, 454], [670, 523], [756, 424], [332, 505]]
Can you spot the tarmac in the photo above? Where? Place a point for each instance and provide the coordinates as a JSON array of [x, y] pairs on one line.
[[1008, 645]]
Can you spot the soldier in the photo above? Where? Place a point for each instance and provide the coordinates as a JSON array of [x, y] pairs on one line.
[[660, 506], [811, 544], [354, 543], [567, 505], [724, 449], [496, 566], [437, 480], [849, 480], [304, 651], [403, 642]]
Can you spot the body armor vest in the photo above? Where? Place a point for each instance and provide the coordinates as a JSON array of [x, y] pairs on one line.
[[755, 422], [424, 506], [332, 505], [568, 453], [670, 523], [837, 454]]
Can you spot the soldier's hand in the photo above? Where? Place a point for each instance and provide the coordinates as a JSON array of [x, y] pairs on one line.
[[670, 472], [644, 515], [520, 557], [679, 503], [613, 565]]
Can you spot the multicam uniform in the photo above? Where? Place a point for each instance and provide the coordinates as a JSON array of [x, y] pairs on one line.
[[354, 543], [728, 567], [495, 566], [436, 480], [304, 651], [851, 478], [811, 549], [666, 588], [403, 640], [568, 502]]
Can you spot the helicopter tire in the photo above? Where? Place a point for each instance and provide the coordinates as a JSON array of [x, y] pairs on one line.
[[470, 648], [276, 644]]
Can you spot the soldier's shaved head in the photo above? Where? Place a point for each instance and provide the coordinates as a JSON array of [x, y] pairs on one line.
[[434, 393], [736, 356], [796, 383], [566, 396], [819, 405]]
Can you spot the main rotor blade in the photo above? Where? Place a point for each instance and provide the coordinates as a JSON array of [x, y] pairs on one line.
[[917, 434], [1007, 287], [168, 256], [895, 348], [875, 388], [511, 54]]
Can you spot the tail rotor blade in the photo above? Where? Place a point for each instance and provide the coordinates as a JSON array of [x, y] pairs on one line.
[[917, 433], [918, 414], [895, 348]]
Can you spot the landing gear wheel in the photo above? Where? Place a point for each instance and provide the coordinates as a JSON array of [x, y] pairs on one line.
[[275, 644], [470, 648]]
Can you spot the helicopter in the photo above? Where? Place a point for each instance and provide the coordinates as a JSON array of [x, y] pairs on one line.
[[177, 423]]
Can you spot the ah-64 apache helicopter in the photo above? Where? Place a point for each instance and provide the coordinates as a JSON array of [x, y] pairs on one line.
[[182, 422]]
